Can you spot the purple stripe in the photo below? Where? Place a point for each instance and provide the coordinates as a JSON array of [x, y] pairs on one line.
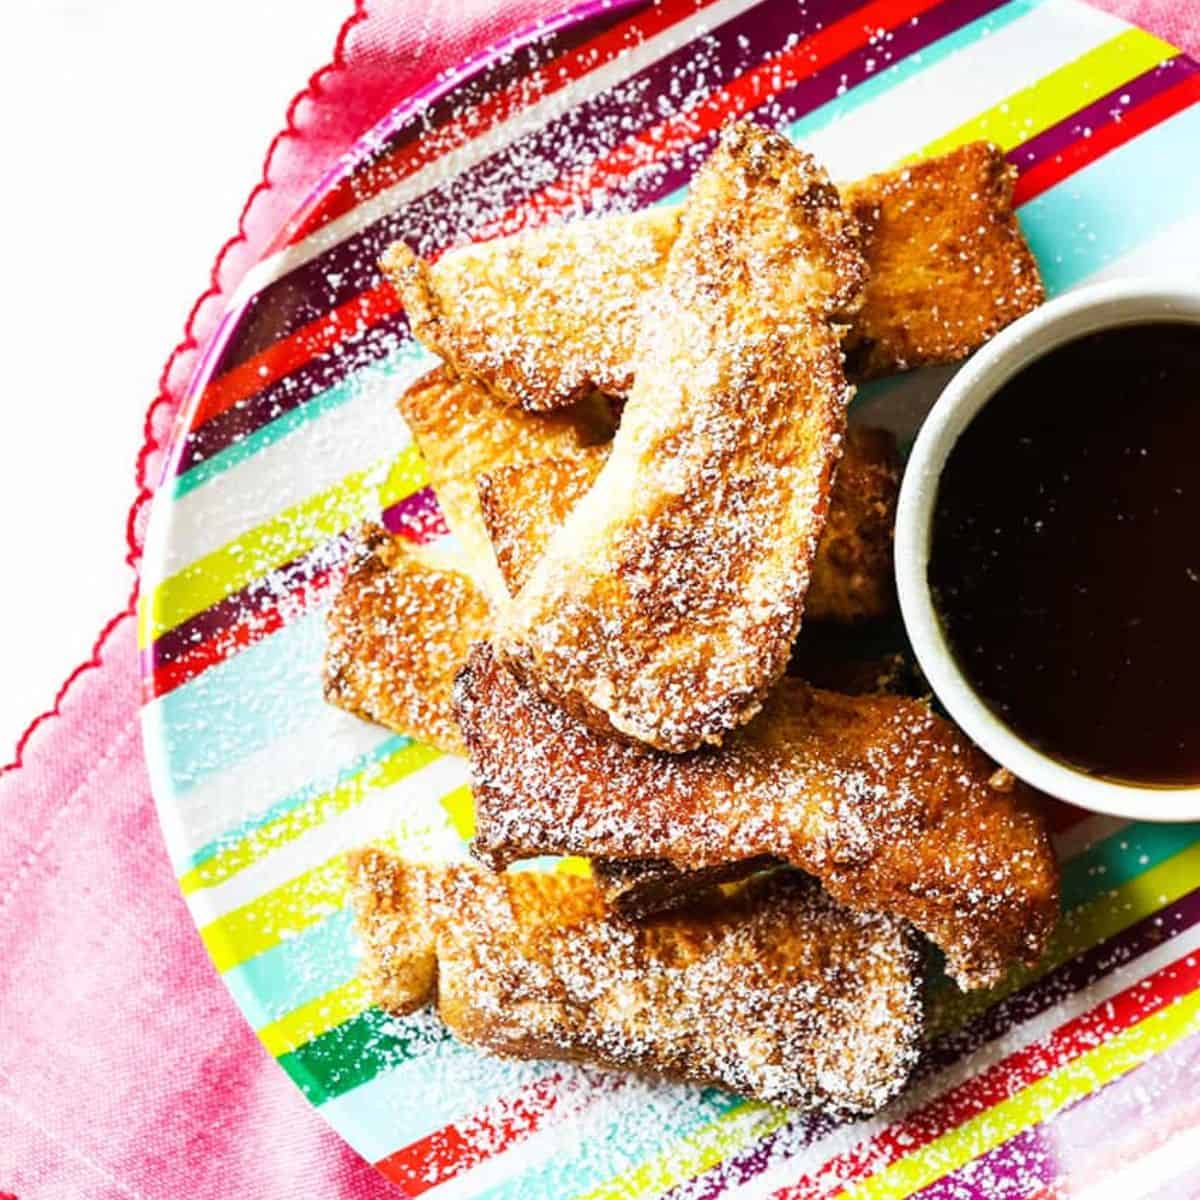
[[1040, 996], [449, 212], [1010, 1171], [1109, 108], [272, 590], [290, 392], [651, 185], [417, 516], [1090, 1139]]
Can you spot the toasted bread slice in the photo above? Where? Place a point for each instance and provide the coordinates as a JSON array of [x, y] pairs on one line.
[[399, 630], [950, 267], [762, 993], [666, 604], [542, 317], [462, 431], [852, 573], [884, 802]]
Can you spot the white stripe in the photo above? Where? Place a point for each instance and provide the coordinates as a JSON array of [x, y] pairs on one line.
[[409, 809], [1033, 1030], [1162, 1166], [317, 455], [1074, 841], [536, 116], [221, 801], [970, 81], [1175, 254]]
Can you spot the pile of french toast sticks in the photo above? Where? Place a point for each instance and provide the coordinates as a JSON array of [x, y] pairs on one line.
[[638, 436]]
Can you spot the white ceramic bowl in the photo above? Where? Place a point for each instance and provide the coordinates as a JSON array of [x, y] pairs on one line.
[[1104, 306]]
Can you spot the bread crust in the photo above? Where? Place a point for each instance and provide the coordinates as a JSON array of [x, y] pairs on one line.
[[883, 801], [666, 604], [759, 993]]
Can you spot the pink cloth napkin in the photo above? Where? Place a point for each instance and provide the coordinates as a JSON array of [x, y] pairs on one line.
[[125, 1069]]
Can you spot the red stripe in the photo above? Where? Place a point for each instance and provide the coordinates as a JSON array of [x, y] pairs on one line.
[[1001, 1081], [1079, 154], [252, 627], [449, 1151], [317, 337], [551, 77], [748, 91]]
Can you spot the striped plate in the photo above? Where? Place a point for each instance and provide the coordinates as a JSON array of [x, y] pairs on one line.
[[1072, 1078]]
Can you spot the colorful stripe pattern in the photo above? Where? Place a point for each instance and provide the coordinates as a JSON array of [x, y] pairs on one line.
[[291, 439]]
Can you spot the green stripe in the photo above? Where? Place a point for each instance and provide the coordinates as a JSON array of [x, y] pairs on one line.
[[356, 1051]]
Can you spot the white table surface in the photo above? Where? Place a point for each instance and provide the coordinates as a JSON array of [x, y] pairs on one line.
[[133, 130]]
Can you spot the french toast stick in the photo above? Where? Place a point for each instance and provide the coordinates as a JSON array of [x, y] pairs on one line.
[[665, 605], [852, 578], [544, 316], [823, 658], [399, 629], [462, 431], [759, 993], [883, 801]]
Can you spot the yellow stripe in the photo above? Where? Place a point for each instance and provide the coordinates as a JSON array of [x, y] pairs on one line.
[[692, 1155], [270, 837], [276, 915], [574, 865], [318, 1016], [1056, 96], [285, 536], [460, 808], [1036, 1103], [1079, 930]]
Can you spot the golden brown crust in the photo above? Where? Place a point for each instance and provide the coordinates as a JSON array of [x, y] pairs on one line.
[[463, 431], [949, 265], [760, 993], [492, 310], [852, 577], [886, 803], [399, 630], [542, 317], [665, 606]]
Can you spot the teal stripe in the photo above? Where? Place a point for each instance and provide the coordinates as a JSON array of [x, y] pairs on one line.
[[1124, 856], [907, 68], [1111, 206], [388, 744], [639, 1134], [244, 703], [332, 398], [292, 973]]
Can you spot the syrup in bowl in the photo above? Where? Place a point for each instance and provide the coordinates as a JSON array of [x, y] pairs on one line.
[[1064, 554]]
